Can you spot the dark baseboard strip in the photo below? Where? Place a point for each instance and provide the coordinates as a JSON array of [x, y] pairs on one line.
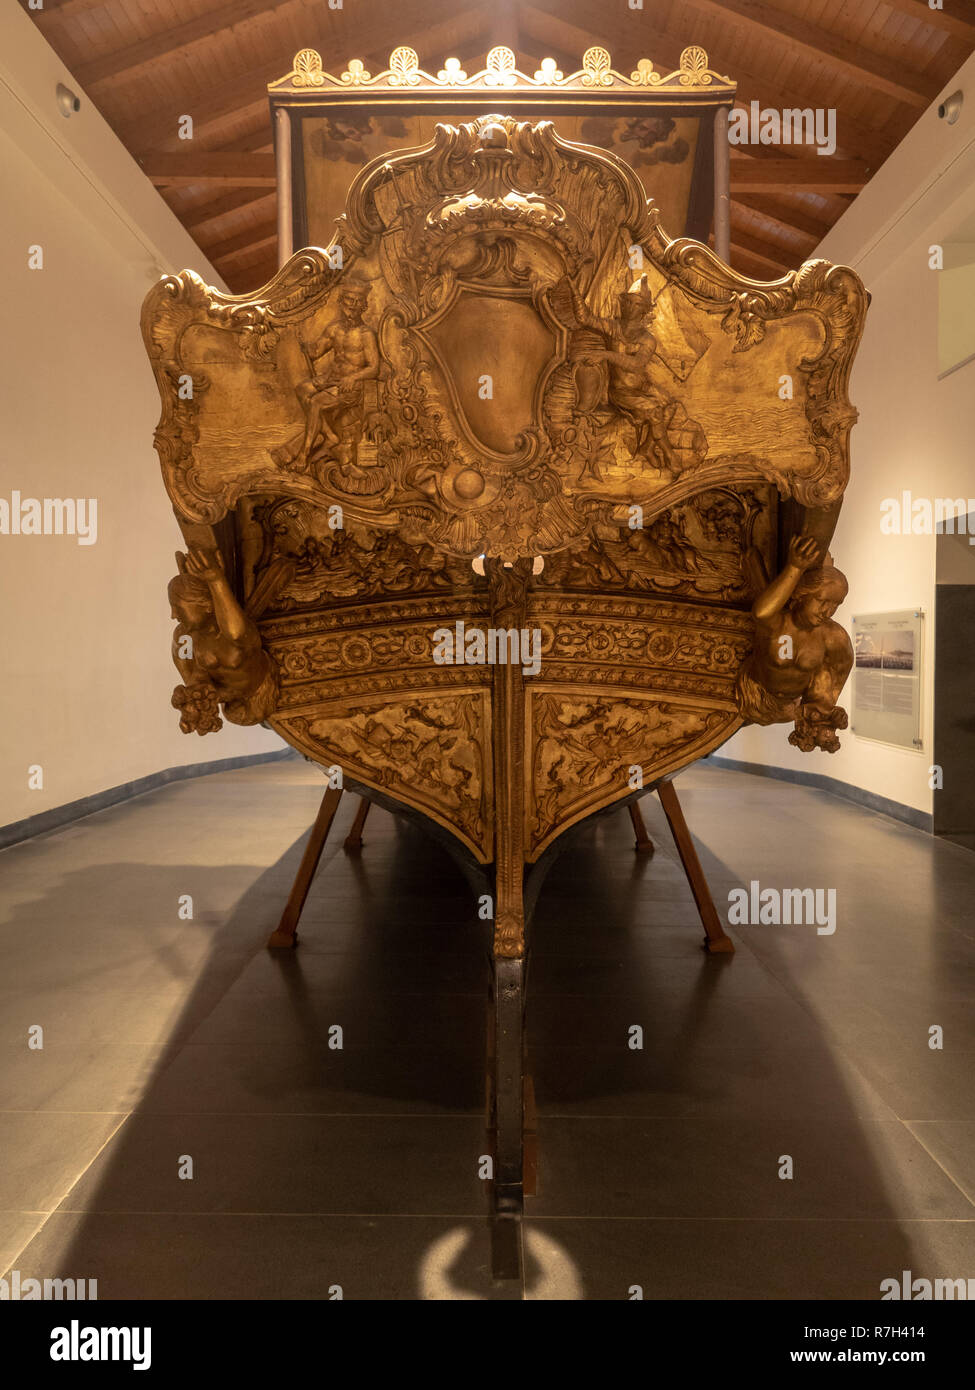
[[909, 815], [75, 810]]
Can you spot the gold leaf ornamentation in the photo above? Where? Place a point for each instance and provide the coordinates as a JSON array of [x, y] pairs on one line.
[[643, 75], [501, 68], [596, 65], [694, 67], [548, 73], [452, 73], [356, 75], [404, 68], [308, 69]]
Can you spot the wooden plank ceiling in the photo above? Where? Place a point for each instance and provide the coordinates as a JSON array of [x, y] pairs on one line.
[[879, 63]]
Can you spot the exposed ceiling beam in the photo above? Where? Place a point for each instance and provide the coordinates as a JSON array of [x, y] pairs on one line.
[[852, 136], [248, 279], [219, 207], [256, 255], [246, 170], [552, 27], [957, 19], [503, 27], [58, 9], [259, 141], [235, 96], [756, 266], [163, 44], [779, 260], [247, 90], [262, 235], [763, 222], [786, 215], [814, 175], [894, 79]]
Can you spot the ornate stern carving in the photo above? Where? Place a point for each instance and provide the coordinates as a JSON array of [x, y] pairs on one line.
[[801, 658], [217, 650], [487, 374], [509, 359]]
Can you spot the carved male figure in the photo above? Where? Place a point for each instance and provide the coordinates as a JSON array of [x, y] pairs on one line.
[[801, 658], [630, 389], [343, 358]]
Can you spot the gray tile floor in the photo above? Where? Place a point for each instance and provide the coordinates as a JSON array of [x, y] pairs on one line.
[[315, 1167]]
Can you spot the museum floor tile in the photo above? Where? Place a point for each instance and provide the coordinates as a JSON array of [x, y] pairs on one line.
[[330, 1102]]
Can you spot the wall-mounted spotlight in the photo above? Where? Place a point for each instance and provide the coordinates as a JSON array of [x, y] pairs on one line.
[[68, 103], [950, 108]]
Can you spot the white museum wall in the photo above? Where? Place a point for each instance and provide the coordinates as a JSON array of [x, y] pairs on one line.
[[916, 433], [87, 629]]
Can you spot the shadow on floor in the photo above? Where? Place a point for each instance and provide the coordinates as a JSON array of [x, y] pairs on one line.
[[317, 1167]]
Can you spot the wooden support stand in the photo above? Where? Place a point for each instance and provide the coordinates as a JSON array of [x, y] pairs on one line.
[[287, 929], [353, 841], [509, 1087], [716, 942], [286, 933], [644, 844], [511, 1097], [511, 1128]]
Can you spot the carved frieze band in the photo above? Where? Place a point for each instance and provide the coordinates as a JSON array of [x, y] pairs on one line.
[[501, 74]]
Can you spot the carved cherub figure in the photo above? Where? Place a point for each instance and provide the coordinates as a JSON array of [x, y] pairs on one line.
[[217, 649], [801, 658]]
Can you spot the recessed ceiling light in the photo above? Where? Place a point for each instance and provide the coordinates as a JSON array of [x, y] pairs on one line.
[[68, 103]]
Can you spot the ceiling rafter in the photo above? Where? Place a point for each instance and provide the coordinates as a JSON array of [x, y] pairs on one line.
[[761, 250], [253, 276], [826, 46], [814, 175], [246, 91], [213, 209], [61, 9], [791, 217], [245, 169], [754, 263], [958, 19], [853, 136], [158, 47], [261, 234], [220, 184]]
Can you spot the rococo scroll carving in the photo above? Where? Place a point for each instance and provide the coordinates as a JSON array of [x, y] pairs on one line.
[[482, 370]]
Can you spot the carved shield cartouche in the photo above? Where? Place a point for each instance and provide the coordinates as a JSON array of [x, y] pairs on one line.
[[511, 360]]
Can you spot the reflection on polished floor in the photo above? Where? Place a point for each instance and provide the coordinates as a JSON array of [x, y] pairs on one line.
[[316, 1168]]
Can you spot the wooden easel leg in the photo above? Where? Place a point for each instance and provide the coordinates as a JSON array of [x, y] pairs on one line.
[[287, 929], [353, 841], [644, 844], [716, 940]]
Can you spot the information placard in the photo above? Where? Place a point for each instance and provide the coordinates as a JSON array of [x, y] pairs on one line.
[[887, 677]]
